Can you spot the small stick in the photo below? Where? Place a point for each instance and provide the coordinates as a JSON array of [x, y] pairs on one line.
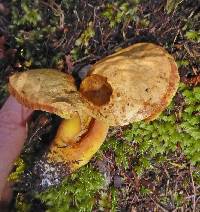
[[194, 190], [159, 205]]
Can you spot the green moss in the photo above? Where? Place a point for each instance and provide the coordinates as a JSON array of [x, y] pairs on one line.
[[178, 199], [120, 12], [171, 5], [182, 63], [193, 35], [109, 200], [20, 168], [114, 199], [30, 15], [21, 204], [76, 193], [75, 53], [145, 191], [33, 28], [166, 134], [86, 36], [122, 150]]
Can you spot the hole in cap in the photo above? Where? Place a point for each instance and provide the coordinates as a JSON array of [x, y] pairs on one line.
[[96, 89]]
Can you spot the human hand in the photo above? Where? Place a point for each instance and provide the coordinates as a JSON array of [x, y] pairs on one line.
[[13, 117]]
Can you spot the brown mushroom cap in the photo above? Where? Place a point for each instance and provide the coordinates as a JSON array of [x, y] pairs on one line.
[[47, 90], [143, 78]]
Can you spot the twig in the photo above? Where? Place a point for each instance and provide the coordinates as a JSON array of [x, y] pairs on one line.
[[176, 37], [188, 50], [84, 58], [59, 13], [176, 6], [191, 196], [194, 190], [61, 41], [193, 81], [56, 9], [176, 209], [75, 12], [159, 205]]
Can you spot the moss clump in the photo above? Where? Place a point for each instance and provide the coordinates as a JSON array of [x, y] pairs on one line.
[[34, 27], [85, 37], [20, 167], [109, 200], [122, 151], [193, 35], [76, 193], [120, 12], [21, 204], [166, 134]]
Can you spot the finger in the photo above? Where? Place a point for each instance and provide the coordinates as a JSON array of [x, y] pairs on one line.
[[12, 136], [12, 110], [6, 197]]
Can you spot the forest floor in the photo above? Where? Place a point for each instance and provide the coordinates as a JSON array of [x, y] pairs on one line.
[[143, 167]]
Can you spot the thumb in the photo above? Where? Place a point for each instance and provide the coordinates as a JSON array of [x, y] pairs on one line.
[[13, 117]]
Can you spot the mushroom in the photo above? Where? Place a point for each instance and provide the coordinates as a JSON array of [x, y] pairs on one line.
[[133, 84], [79, 135]]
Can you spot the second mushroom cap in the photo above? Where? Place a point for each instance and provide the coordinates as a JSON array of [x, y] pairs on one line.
[[133, 84]]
